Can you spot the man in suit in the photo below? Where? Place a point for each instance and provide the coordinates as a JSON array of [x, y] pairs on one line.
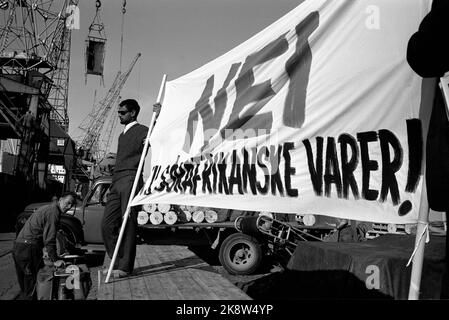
[[130, 147], [428, 56]]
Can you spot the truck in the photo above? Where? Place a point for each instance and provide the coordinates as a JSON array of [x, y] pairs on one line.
[[241, 242]]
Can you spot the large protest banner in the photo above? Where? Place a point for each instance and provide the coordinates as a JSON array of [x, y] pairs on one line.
[[319, 113]]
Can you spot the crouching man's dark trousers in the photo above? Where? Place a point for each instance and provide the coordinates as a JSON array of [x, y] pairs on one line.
[[112, 221], [28, 260]]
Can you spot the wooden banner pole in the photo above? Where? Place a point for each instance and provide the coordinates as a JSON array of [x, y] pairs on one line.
[[136, 179], [427, 97], [420, 243]]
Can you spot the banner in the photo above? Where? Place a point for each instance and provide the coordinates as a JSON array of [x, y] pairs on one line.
[[319, 113]]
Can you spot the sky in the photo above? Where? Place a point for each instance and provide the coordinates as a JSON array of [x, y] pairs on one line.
[[174, 37]]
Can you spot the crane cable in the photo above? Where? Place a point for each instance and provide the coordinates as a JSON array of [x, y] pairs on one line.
[[97, 25], [138, 80], [121, 39]]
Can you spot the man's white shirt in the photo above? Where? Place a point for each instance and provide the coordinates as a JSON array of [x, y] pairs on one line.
[[129, 125]]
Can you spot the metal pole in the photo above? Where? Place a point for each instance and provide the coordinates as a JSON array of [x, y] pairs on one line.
[[136, 179]]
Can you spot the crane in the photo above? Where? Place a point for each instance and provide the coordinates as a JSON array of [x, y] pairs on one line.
[[34, 76], [109, 133], [36, 31], [93, 124]]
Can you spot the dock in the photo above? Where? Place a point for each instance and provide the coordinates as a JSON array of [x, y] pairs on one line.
[[168, 272]]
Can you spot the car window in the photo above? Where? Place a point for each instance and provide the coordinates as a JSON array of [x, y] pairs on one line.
[[99, 195]]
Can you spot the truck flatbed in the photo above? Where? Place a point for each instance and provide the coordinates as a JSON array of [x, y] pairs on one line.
[[226, 224], [190, 225]]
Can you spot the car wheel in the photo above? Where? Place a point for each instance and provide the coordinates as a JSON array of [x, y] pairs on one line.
[[240, 254]]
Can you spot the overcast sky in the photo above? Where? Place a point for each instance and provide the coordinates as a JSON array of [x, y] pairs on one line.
[[174, 37]]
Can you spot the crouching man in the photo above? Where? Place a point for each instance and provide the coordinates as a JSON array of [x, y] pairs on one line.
[[39, 232]]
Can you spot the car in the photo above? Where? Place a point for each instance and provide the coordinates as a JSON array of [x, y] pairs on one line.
[[80, 227]]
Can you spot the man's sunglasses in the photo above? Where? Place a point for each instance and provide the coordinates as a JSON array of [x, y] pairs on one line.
[[123, 112]]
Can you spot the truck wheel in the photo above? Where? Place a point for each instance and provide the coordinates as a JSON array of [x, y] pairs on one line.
[[240, 254]]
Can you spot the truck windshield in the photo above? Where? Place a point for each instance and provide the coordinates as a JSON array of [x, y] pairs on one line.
[[99, 195]]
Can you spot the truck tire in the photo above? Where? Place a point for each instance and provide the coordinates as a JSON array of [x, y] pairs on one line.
[[240, 254]]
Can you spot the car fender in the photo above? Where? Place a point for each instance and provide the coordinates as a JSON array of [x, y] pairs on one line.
[[74, 225]]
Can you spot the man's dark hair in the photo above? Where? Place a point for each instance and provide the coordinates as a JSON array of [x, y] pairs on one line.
[[70, 193], [131, 105]]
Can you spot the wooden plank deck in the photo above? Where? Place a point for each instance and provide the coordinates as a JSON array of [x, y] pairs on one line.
[[168, 272]]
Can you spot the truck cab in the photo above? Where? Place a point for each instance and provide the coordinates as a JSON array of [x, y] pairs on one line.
[[91, 211]]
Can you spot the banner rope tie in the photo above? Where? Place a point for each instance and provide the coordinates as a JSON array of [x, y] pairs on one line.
[[425, 231]]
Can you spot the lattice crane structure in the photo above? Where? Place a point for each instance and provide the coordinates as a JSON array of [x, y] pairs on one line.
[[93, 124], [35, 38], [34, 35]]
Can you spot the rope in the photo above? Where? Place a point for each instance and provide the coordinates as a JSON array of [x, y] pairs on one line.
[[96, 24], [121, 38], [97, 11], [138, 80], [425, 231]]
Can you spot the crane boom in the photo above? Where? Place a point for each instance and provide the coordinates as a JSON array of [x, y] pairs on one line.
[[93, 124]]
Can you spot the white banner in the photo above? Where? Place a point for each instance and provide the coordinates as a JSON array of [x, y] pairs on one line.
[[319, 113]]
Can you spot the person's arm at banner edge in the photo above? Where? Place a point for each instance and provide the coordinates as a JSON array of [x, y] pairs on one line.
[[428, 49]]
